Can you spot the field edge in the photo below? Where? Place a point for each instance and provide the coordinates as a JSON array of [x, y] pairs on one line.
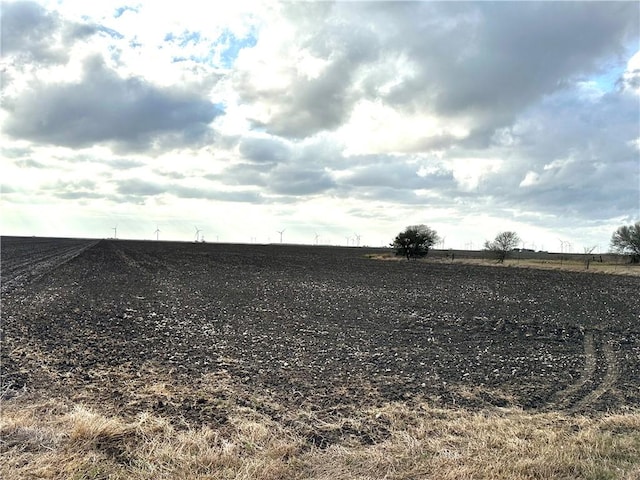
[[573, 265]]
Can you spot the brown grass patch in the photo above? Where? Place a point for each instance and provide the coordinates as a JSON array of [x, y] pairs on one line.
[[54, 439], [610, 268], [566, 265]]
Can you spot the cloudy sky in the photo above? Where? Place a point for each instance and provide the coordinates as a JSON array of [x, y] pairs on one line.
[[324, 120]]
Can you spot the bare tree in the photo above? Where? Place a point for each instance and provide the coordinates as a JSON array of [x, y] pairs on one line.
[[502, 245], [626, 239]]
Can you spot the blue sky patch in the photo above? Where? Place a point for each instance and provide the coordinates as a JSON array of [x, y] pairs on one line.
[[223, 51], [111, 32], [609, 75], [233, 46], [184, 39], [120, 11]]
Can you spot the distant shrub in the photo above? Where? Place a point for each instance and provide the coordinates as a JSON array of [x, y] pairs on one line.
[[415, 241]]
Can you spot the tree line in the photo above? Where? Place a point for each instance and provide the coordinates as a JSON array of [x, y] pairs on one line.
[[415, 241]]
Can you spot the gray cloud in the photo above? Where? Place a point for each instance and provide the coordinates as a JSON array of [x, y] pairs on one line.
[[135, 190], [524, 51], [30, 163], [312, 104], [488, 61], [79, 195], [578, 155], [390, 195], [483, 61], [243, 174], [303, 168], [28, 30], [283, 168], [390, 172], [294, 179], [35, 35], [172, 174], [243, 196], [79, 32], [72, 189], [140, 188], [125, 163], [298, 180], [129, 113], [265, 150], [15, 152]]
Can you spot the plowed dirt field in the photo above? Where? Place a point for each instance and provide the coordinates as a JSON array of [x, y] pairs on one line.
[[323, 328]]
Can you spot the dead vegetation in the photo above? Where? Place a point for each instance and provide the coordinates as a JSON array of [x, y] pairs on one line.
[[57, 439], [568, 265], [610, 268]]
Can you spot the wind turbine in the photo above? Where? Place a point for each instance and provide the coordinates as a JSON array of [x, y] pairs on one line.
[[115, 231], [357, 238], [157, 232], [565, 246], [317, 236], [198, 234], [281, 232]]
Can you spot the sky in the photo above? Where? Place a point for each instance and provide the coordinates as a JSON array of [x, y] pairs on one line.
[[332, 122]]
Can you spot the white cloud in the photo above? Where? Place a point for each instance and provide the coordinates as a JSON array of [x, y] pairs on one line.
[[374, 127], [631, 76], [531, 178], [321, 116], [469, 172]]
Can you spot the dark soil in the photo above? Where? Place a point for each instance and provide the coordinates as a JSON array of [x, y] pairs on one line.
[[322, 328]]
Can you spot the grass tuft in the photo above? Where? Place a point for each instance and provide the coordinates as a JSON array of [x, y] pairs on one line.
[[55, 440]]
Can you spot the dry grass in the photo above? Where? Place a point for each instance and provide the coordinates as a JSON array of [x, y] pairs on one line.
[[566, 265], [55, 439], [611, 268]]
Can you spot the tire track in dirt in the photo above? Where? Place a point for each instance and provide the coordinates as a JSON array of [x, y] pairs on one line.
[[609, 379], [125, 257], [20, 269], [565, 398], [600, 356]]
